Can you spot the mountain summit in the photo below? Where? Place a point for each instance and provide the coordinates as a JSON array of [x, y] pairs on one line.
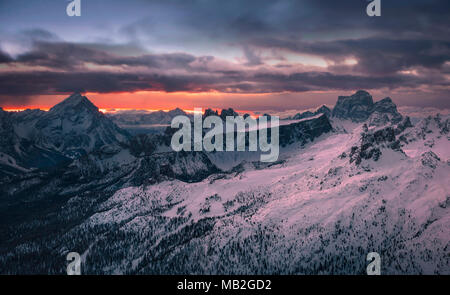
[[360, 107], [322, 110], [73, 127], [356, 107], [75, 102], [76, 126], [384, 111]]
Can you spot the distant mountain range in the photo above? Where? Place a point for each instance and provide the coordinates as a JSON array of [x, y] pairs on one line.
[[137, 117], [350, 180]]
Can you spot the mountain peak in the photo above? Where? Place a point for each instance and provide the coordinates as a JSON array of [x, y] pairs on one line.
[[360, 107], [75, 101], [323, 110], [228, 112], [209, 112], [76, 96], [361, 93], [384, 111], [307, 114], [356, 107], [386, 100], [75, 126], [176, 112]]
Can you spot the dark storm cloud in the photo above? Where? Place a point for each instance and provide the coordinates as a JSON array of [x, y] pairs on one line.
[[374, 55], [410, 35], [329, 81], [63, 55], [52, 82], [30, 83], [59, 55], [199, 77], [237, 20]]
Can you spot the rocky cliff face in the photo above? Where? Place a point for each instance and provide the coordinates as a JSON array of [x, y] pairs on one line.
[[356, 107], [403, 125], [184, 166], [76, 126], [371, 144], [360, 107], [305, 130], [18, 154], [383, 112]]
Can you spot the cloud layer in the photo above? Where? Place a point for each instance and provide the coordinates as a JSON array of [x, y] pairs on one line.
[[277, 47]]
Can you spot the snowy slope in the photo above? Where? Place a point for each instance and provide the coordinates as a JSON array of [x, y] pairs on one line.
[[430, 133], [314, 213], [342, 188]]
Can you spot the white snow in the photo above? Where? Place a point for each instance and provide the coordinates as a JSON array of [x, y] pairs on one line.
[[313, 191]]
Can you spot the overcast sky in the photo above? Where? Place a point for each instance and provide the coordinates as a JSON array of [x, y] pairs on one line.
[[254, 55]]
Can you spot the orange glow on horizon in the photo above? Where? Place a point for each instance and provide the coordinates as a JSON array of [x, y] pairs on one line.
[[152, 101], [165, 101], [23, 109], [109, 111]]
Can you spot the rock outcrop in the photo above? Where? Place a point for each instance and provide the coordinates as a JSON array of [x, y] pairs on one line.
[[360, 107]]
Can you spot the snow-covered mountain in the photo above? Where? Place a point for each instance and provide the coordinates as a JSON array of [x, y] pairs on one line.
[[70, 129], [76, 126], [317, 212], [138, 122], [139, 117], [360, 107], [18, 152], [361, 180]]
